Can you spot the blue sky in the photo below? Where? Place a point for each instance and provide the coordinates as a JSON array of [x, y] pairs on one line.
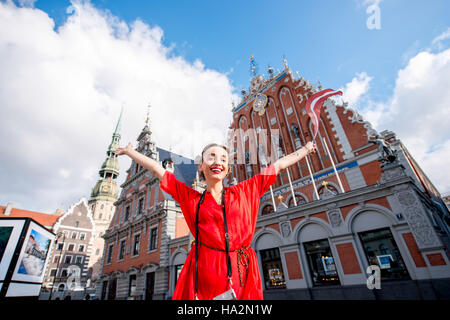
[[323, 40], [68, 68]]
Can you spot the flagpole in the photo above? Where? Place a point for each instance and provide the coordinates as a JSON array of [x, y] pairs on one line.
[[292, 189], [273, 200], [312, 178], [334, 167]]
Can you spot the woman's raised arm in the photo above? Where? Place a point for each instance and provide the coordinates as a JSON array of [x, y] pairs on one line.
[[294, 157], [148, 163]]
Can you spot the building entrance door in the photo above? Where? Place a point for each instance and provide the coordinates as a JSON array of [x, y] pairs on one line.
[[112, 289], [149, 285]]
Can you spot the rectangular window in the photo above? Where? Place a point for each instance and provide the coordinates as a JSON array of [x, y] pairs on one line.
[[153, 239], [68, 259], [109, 254], [127, 213], [74, 235], [132, 285], [81, 248], [136, 245], [52, 272], [56, 259], [381, 250], [178, 269], [64, 273], [272, 269], [140, 206], [121, 249], [60, 246], [71, 247], [321, 263], [79, 260], [82, 236]]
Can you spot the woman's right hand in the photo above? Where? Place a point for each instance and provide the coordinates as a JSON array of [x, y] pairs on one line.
[[126, 150]]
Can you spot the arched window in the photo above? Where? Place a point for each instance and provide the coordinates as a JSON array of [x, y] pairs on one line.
[[329, 187], [298, 198], [267, 209]]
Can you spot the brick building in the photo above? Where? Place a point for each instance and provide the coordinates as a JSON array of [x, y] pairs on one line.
[[321, 248], [136, 253], [309, 247], [79, 245]]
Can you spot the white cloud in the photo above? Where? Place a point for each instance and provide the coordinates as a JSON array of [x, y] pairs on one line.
[[419, 112], [61, 92], [437, 42], [355, 89]]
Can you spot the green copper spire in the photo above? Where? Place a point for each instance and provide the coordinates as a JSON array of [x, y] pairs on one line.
[[119, 122], [106, 187], [115, 137]]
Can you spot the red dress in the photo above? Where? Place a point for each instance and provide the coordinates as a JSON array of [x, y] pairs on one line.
[[241, 204]]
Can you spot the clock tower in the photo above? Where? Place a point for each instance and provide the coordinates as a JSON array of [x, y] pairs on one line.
[[101, 202]]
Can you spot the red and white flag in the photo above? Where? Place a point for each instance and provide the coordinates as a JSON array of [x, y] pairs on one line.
[[314, 106]]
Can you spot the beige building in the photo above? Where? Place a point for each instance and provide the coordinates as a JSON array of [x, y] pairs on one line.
[[75, 259], [67, 270]]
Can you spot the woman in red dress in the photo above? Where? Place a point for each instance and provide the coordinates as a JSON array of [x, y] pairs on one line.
[[241, 207]]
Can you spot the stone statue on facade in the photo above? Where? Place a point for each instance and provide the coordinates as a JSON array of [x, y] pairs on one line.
[[388, 154]]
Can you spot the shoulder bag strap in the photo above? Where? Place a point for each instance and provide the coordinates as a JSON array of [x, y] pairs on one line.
[[197, 241], [227, 244]]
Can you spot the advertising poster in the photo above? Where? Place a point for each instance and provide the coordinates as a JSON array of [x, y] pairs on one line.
[[5, 234], [274, 274], [10, 230], [328, 265], [384, 261], [30, 243], [36, 249], [34, 254]]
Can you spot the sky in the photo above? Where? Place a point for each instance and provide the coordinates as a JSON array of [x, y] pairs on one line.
[[68, 67]]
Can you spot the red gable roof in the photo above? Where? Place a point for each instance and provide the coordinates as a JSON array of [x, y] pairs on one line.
[[45, 219]]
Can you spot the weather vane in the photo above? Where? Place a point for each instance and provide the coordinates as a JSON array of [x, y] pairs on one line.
[[147, 120], [253, 66]]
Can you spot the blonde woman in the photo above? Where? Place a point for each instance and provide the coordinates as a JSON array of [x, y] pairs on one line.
[[221, 263]]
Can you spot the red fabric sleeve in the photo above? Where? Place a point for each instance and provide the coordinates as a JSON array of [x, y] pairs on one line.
[[254, 188], [257, 185], [266, 178], [181, 193]]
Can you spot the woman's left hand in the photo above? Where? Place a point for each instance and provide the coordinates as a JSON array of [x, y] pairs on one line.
[[310, 147]]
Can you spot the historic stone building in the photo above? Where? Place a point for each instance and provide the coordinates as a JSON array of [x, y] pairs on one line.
[[135, 261], [75, 259], [311, 243], [67, 269], [101, 203], [388, 214]]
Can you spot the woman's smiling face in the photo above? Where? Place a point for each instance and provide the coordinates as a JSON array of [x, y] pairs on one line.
[[214, 163]]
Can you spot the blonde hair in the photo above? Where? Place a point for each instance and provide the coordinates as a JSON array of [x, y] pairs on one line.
[[200, 173]]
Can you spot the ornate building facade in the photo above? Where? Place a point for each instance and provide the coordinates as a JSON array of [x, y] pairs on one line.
[[75, 259], [67, 269], [136, 256], [315, 238], [387, 215]]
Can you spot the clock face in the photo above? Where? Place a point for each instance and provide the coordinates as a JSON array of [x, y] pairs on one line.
[[260, 103]]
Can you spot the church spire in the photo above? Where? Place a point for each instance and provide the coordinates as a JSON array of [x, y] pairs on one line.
[[145, 143], [117, 131], [115, 137], [106, 187]]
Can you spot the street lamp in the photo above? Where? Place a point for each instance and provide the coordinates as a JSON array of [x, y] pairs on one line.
[[59, 235]]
